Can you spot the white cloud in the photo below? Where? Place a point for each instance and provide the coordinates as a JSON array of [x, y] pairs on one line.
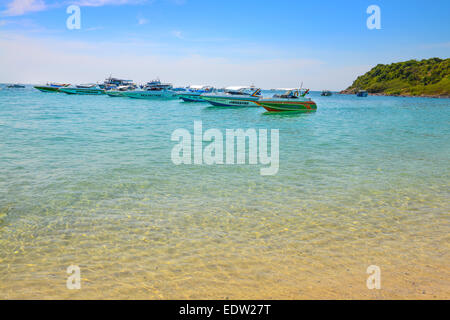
[[100, 3], [142, 21], [20, 7], [177, 34], [81, 62]]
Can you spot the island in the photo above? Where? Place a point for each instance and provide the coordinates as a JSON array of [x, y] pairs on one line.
[[424, 78]]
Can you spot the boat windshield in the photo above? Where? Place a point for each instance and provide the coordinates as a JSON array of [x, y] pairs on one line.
[[238, 92]]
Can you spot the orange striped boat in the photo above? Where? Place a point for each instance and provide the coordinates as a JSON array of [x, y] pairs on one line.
[[291, 100]]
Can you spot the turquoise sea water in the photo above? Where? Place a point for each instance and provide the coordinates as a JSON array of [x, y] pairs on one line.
[[88, 181]]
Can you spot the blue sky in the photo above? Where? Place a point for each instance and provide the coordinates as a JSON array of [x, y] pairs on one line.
[[326, 44]]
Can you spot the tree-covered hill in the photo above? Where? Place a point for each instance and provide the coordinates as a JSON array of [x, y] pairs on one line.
[[429, 77]]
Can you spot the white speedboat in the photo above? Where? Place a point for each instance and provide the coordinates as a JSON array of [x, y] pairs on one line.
[[114, 83], [234, 97], [119, 92], [193, 93], [153, 89]]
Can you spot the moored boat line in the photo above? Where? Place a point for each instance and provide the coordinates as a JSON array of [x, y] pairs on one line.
[[234, 96]]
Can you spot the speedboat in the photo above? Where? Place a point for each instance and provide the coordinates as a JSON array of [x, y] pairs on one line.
[[193, 93], [52, 87], [291, 100], [326, 93], [84, 91], [153, 89], [114, 83], [362, 93], [119, 92], [234, 97]]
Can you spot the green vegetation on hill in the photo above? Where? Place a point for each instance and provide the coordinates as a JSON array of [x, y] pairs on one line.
[[429, 77]]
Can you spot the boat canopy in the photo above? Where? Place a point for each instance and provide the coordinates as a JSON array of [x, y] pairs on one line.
[[237, 88], [198, 86]]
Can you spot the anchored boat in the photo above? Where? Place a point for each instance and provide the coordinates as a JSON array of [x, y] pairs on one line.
[[15, 86], [153, 89], [326, 93], [119, 92], [234, 97], [362, 93], [193, 93], [84, 91], [114, 83], [52, 87], [291, 100]]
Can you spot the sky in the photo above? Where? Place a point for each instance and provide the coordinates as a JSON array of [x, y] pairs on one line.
[[325, 44]]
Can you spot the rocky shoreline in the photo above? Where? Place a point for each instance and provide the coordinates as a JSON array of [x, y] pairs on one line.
[[351, 92]]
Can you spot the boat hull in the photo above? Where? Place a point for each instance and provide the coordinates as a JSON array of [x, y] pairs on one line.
[[85, 91], [115, 93], [149, 94], [190, 97], [282, 106], [47, 89], [219, 101]]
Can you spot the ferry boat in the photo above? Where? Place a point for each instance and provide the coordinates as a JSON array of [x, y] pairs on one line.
[[52, 87], [15, 86], [291, 100], [362, 93], [193, 93], [153, 89], [234, 97], [84, 91]]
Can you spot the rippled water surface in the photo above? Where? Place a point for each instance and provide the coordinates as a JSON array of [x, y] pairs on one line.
[[88, 181]]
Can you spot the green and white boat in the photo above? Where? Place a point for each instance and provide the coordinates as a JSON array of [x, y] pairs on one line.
[[52, 87]]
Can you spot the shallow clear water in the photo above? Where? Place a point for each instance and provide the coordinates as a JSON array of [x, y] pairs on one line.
[[88, 181]]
